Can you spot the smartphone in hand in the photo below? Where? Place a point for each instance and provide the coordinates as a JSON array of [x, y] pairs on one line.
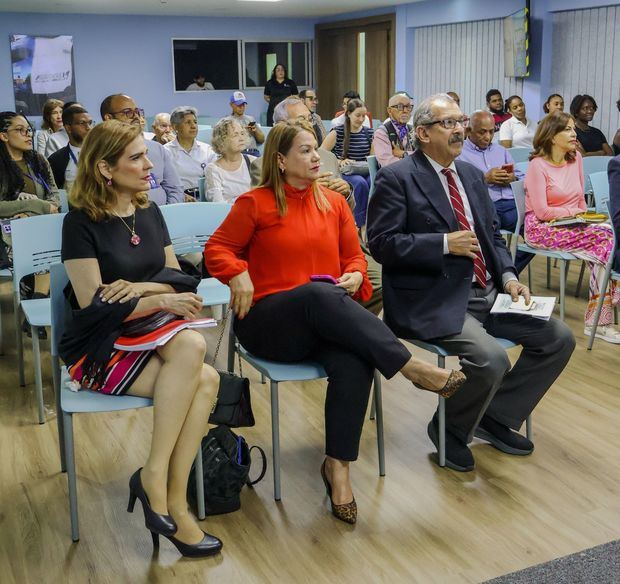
[[509, 168]]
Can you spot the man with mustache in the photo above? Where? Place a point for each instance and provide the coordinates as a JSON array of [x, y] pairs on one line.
[[433, 227]]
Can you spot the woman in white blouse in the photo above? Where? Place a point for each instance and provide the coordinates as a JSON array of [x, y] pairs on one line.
[[52, 122], [229, 176], [517, 131]]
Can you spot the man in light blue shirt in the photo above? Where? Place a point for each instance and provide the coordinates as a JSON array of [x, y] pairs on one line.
[[165, 183], [498, 167]]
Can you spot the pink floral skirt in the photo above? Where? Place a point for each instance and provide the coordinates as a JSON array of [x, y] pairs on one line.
[[592, 243]]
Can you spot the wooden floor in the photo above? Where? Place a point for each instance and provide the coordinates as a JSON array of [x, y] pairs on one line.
[[419, 524]]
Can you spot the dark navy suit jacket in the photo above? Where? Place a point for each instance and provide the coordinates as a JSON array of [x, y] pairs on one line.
[[613, 172], [425, 293]]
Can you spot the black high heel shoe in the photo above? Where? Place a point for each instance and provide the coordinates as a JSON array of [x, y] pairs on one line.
[[154, 522], [209, 545]]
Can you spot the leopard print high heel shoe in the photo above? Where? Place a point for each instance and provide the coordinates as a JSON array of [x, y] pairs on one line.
[[346, 512]]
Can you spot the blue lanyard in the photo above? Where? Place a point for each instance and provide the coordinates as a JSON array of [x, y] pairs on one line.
[[72, 156], [38, 179]]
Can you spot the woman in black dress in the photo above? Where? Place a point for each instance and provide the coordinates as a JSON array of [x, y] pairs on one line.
[[278, 88], [118, 255]]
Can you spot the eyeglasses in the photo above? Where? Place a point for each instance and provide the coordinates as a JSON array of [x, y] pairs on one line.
[[84, 123], [130, 113], [402, 108], [450, 123], [312, 98], [22, 131]]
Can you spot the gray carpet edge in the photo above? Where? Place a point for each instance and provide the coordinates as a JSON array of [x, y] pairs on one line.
[[596, 565]]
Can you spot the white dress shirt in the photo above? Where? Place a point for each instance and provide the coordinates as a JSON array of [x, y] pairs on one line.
[[521, 135], [71, 170], [191, 166]]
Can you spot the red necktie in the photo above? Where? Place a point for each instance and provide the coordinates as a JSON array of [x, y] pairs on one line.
[[480, 269]]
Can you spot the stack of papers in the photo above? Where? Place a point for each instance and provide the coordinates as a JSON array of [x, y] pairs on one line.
[[539, 307]]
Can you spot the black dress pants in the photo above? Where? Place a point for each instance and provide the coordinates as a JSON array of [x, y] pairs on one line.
[[322, 322]]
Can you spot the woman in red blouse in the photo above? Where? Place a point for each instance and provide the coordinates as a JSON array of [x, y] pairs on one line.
[[274, 239]]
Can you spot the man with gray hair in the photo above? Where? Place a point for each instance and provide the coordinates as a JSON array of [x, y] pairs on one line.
[[292, 109], [499, 171], [433, 227], [393, 139], [165, 186], [162, 128]]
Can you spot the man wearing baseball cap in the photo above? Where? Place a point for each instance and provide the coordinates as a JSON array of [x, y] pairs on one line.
[[238, 103]]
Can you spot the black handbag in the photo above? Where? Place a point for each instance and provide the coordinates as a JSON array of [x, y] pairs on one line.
[[226, 462], [233, 406]]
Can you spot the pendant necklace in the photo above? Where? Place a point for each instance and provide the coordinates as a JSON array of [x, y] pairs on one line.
[[135, 238]]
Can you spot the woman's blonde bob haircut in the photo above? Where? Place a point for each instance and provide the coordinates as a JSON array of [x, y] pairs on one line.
[[551, 125], [280, 141], [90, 191]]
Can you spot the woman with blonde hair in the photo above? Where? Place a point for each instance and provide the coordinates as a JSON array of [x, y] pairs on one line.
[[229, 176], [553, 190], [52, 122], [290, 253], [118, 255]]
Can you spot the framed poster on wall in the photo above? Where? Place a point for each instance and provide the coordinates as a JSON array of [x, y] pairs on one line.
[[42, 69]]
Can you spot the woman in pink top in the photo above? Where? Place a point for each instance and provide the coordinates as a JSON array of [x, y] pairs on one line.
[[553, 189]]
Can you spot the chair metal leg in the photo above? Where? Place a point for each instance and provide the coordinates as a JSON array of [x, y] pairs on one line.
[[580, 280], [275, 440], [373, 408], [263, 379], [441, 362], [71, 476], [378, 405], [563, 271], [200, 486], [38, 381], [599, 304], [529, 276], [59, 416], [528, 427], [18, 339], [548, 272]]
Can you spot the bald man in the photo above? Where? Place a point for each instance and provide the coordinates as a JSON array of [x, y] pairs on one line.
[[393, 139], [498, 167]]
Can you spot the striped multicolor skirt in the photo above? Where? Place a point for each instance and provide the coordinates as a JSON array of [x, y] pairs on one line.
[[123, 368]]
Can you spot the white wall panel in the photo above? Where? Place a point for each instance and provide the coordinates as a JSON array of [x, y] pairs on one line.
[[467, 57], [586, 59]]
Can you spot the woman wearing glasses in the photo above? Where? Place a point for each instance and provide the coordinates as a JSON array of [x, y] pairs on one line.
[[27, 185], [393, 138]]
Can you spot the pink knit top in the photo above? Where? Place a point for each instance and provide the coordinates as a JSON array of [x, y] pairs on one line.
[[554, 191]]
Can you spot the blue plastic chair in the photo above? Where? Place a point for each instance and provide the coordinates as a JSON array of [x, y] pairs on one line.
[[564, 257], [205, 135], [86, 402], [599, 182], [278, 372], [373, 168], [4, 274], [592, 164], [266, 130], [520, 154], [36, 246], [441, 362], [610, 274], [522, 166], [190, 226]]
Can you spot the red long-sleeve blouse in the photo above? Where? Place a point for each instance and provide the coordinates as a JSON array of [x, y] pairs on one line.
[[281, 253]]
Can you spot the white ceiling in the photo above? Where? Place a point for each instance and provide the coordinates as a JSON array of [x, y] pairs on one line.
[[284, 8]]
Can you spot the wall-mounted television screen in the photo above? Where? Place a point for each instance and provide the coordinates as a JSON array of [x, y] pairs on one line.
[[516, 44], [205, 64]]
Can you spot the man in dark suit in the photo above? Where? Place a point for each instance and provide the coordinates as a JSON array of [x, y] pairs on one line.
[[613, 173], [77, 122], [433, 227]]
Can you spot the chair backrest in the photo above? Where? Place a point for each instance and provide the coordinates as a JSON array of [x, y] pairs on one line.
[[373, 167], [518, 192], [600, 190], [192, 224], [522, 166], [58, 281], [205, 135], [376, 123], [592, 164], [266, 130], [519, 154], [64, 200], [327, 124], [36, 244]]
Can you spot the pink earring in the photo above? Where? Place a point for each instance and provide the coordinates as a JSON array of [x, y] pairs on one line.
[[109, 182]]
